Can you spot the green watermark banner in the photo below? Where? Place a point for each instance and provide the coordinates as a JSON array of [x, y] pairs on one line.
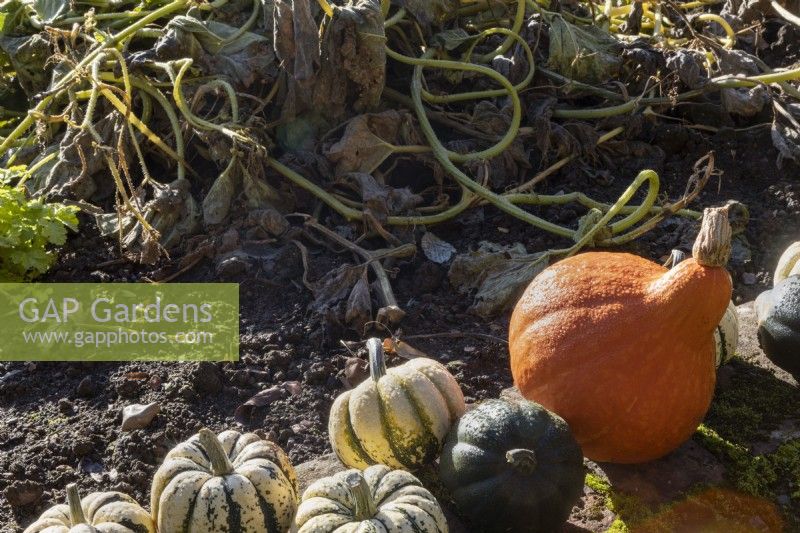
[[119, 322]]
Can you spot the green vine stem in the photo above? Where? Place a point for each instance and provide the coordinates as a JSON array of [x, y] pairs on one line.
[[183, 107], [519, 20], [88, 125], [76, 71], [477, 95], [180, 148], [427, 61], [443, 155]]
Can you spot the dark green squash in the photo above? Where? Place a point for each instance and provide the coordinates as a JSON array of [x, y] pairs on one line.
[[778, 312], [513, 467]]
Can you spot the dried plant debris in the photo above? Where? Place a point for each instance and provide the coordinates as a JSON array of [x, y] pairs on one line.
[[378, 118], [497, 274]]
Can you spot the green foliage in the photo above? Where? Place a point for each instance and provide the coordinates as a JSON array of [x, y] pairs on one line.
[[29, 229]]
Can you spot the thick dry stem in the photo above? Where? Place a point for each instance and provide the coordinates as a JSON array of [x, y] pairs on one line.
[[364, 503], [377, 359], [220, 463], [76, 516], [712, 247], [523, 460]]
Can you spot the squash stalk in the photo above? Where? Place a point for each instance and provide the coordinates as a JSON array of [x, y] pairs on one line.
[[377, 360], [712, 248], [523, 460], [220, 463], [362, 496], [76, 516]]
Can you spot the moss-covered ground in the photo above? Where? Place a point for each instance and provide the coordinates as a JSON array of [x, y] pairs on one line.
[[753, 430]]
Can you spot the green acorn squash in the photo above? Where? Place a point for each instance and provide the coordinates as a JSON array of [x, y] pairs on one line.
[[778, 312], [513, 467]]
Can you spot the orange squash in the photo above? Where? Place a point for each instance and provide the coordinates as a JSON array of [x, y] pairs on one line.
[[622, 348]]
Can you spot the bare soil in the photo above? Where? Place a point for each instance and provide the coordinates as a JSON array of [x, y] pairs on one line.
[[60, 422]]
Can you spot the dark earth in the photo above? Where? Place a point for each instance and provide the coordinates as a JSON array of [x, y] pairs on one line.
[[61, 422]]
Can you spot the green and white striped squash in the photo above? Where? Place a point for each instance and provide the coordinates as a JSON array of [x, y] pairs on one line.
[[234, 482], [378, 499], [726, 336], [99, 512], [788, 264], [397, 417]]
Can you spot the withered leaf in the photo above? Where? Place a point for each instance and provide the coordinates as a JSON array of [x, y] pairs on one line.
[[499, 273], [368, 140], [218, 199], [453, 38], [264, 398], [295, 38], [429, 12], [743, 101], [334, 287], [381, 200], [359, 305], [585, 53], [353, 61], [436, 249], [355, 371], [786, 139]]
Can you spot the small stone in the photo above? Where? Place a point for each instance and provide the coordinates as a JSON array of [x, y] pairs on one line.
[[86, 388], [232, 264], [318, 373], [128, 388], [208, 378], [137, 416], [82, 448], [228, 242], [122, 487], [23, 493], [65, 406]]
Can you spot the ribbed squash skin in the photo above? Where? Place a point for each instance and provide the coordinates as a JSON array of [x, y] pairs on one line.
[[106, 512], [402, 505], [259, 496], [622, 349], [778, 312], [399, 419], [500, 495]]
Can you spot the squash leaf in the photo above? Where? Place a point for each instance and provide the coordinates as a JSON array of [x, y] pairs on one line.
[[50, 10], [584, 53], [428, 12]]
